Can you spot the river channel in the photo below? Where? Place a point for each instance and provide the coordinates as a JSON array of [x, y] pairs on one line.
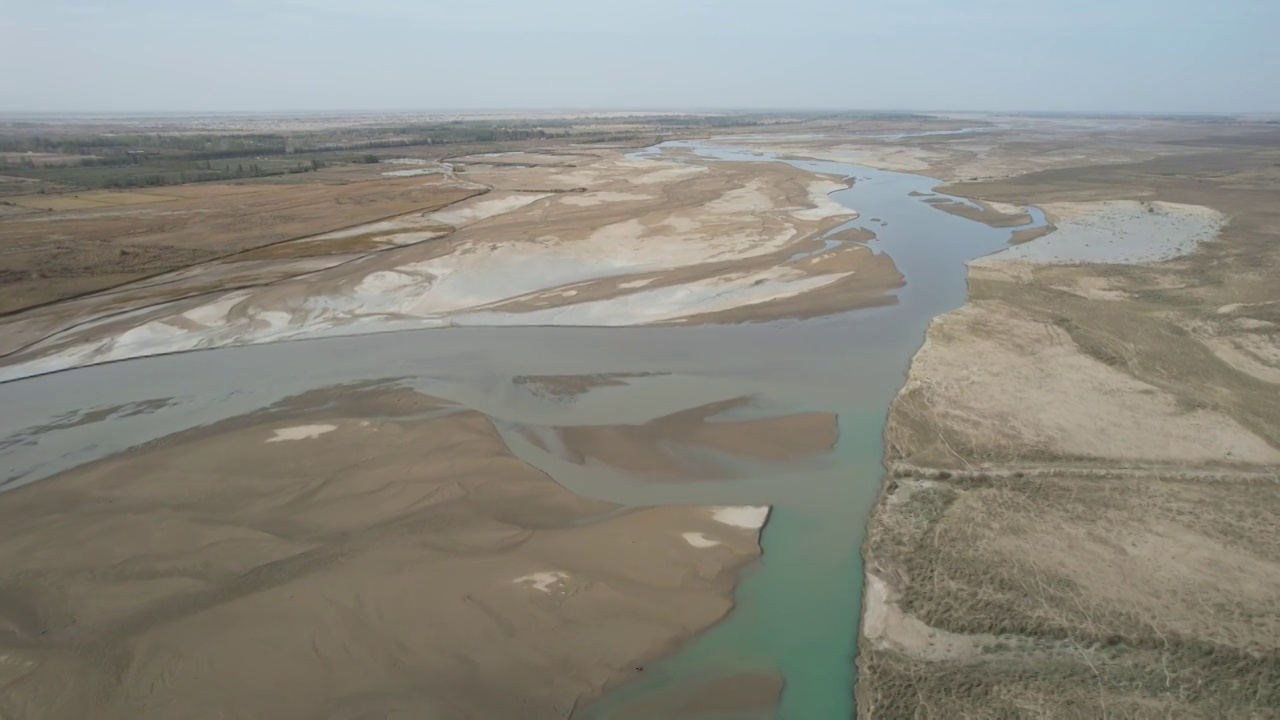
[[797, 610]]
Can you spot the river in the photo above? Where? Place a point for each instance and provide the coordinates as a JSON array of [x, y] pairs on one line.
[[797, 611]]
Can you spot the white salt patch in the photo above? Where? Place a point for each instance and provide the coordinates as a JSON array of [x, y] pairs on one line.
[[699, 540], [487, 273], [421, 226], [274, 319], [1006, 208], [151, 338], [214, 312], [665, 303], [470, 212], [823, 206], [875, 608], [632, 284], [1117, 231], [542, 581], [301, 432], [389, 281], [454, 290], [751, 517], [884, 623]]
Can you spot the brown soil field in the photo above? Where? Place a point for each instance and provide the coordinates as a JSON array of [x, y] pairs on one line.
[[87, 242], [1084, 470]]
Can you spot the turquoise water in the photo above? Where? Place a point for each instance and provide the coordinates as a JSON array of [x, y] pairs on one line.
[[797, 613], [797, 610]]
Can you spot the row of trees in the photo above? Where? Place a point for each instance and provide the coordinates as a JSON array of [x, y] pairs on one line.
[[242, 144], [127, 149], [209, 174]]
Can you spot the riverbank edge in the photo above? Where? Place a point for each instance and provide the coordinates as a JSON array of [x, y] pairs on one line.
[[587, 704], [880, 568], [894, 470]]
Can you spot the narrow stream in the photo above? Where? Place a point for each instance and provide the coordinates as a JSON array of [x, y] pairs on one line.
[[797, 611]]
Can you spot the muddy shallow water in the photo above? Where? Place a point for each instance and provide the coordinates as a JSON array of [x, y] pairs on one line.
[[797, 611]]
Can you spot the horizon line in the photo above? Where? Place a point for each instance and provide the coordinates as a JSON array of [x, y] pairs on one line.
[[650, 110]]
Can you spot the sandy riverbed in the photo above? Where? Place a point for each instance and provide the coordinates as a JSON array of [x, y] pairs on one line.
[[649, 241], [300, 554]]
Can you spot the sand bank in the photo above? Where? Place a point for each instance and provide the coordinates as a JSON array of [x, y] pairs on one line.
[[652, 241], [993, 214], [685, 445], [294, 568]]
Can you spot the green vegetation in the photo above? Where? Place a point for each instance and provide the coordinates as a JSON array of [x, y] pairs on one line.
[[158, 172], [156, 151]]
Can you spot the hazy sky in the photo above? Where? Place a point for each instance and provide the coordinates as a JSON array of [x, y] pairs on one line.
[[233, 55]]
